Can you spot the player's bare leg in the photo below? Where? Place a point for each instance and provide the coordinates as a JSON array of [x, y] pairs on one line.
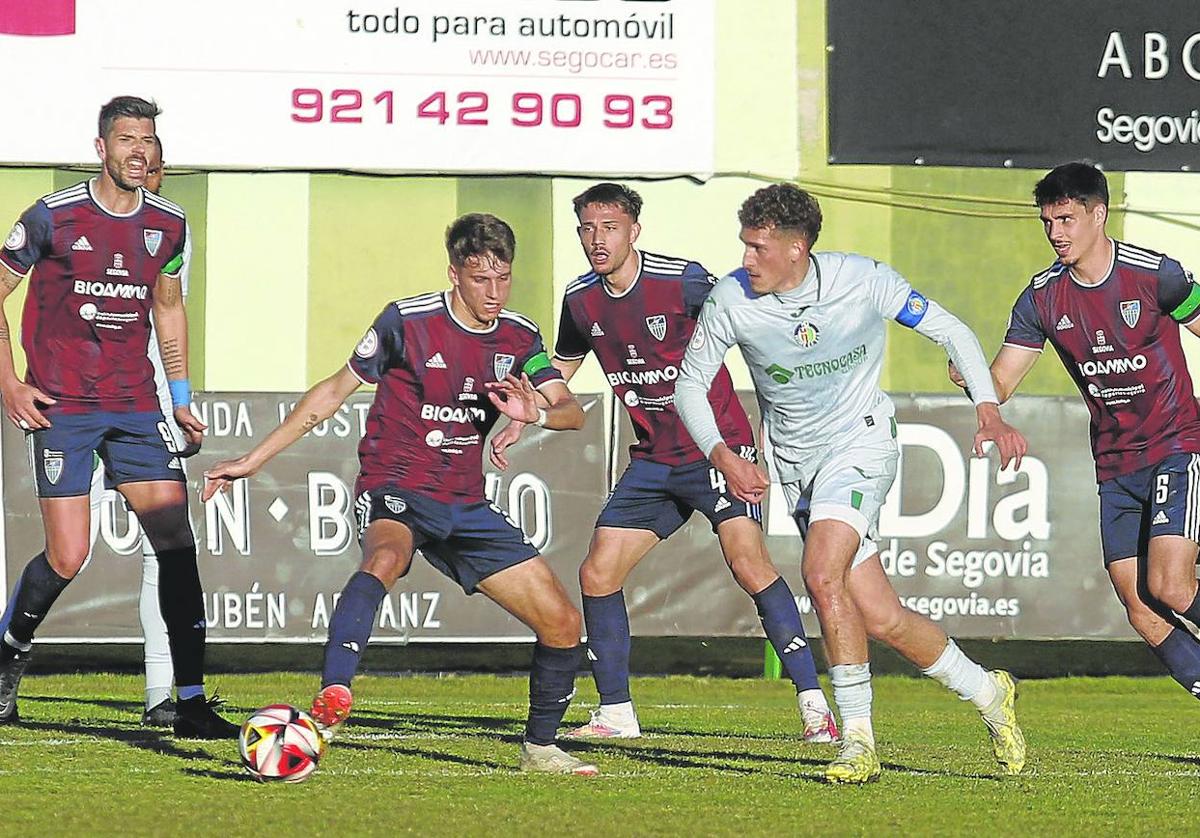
[[65, 521], [1171, 575], [926, 646], [532, 593], [1167, 637], [387, 555], [829, 549], [612, 555], [161, 508], [745, 552]]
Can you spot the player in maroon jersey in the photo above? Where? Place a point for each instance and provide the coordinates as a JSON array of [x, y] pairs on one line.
[[104, 254], [447, 365], [1112, 312], [636, 310]]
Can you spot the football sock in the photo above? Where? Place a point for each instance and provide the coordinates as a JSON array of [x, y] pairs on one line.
[[551, 687], [159, 672], [607, 626], [350, 627], [37, 589], [181, 600], [191, 691], [1180, 654], [962, 676], [1193, 611], [852, 695], [781, 621]]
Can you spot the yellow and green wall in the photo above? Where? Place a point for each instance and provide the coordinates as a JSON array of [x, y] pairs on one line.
[[290, 268]]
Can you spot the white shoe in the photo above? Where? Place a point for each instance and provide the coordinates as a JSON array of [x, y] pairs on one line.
[[820, 728], [551, 759], [608, 722]]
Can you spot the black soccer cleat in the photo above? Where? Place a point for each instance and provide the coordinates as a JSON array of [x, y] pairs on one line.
[[10, 678], [195, 718], [160, 715]]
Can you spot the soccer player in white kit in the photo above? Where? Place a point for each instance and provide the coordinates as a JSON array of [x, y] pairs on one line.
[[812, 327], [160, 675]]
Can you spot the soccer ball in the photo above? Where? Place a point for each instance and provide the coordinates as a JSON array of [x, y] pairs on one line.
[[280, 742]]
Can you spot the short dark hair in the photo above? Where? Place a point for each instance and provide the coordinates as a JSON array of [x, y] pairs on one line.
[[613, 194], [478, 234], [125, 106], [1077, 181], [784, 206]]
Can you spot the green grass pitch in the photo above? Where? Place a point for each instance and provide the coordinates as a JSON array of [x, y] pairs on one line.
[[436, 756]]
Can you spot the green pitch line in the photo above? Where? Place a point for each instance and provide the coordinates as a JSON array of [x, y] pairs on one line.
[[436, 756]]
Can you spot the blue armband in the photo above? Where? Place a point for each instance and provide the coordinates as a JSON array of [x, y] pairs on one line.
[[181, 393]]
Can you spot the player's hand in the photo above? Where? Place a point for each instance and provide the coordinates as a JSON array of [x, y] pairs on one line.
[[955, 375], [1008, 440], [217, 477], [193, 430], [507, 436], [515, 398], [21, 403], [747, 482]]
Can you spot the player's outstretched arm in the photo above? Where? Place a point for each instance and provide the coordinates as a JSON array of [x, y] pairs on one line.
[[21, 400], [317, 405], [517, 399], [511, 432]]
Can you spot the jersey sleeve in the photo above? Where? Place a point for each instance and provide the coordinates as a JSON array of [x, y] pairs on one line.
[[174, 266], [571, 344], [381, 348], [712, 338], [894, 298], [536, 364], [1178, 293], [185, 272], [697, 285], [29, 240], [1024, 326]]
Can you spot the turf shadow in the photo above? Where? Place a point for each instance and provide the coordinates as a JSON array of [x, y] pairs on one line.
[[145, 739]]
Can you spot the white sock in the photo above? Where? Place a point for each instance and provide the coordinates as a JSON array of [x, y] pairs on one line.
[[852, 695], [963, 676], [620, 712], [814, 699], [159, 672]]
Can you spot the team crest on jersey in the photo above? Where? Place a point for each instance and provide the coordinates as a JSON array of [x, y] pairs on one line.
[[1131, 310], [657, 324], [368, 345], [153, 240], [394, 504], [16, 237], [806, 334], [52, 464], [502, 365]]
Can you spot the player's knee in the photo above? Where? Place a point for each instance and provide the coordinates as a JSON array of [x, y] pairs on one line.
[[67, 559], [1176, 594], [562, 628], [598, 579], [887, 628], [822, 582], [386, 564]]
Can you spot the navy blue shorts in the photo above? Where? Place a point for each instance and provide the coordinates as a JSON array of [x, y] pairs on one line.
[[661, 498], [134, 447], [468, 542], [1162, 499]]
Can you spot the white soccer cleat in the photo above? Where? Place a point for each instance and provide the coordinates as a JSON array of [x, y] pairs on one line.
[[551, 759], [608, 722], [820, 727]]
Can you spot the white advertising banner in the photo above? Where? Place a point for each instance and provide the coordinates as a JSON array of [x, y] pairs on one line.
[[598, 87]]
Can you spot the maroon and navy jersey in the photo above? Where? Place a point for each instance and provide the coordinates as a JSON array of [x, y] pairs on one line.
[[426, 427], [1119, 341], [639, 338], [86, 322]]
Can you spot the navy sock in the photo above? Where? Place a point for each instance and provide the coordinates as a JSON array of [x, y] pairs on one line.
[[1180, 653], [37, 589], [607, 626], [781, 621], [551, 687], [350, 628], [181, 600], [1193, 611]]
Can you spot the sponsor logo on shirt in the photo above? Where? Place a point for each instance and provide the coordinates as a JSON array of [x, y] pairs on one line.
[[452, 413], [82, 243], [841, 364], [634, 359], [1063, 324], [118, 266], [1111, 366], [125, 290], [636, 377], [1102, 344], [597, 332], [437, 362], [468, 394]]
